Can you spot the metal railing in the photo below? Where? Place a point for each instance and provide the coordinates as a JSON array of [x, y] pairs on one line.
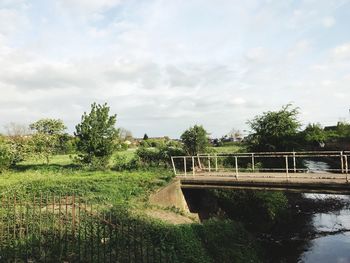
[[260, 162], [48, 228]]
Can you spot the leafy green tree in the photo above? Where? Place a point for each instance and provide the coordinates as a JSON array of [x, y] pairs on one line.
[[45, 141], [43, 145], [97, 136], [6, 156], [274, 130], [48, 126], [314, 134], [145, 137], [18, 138], [195, 140]]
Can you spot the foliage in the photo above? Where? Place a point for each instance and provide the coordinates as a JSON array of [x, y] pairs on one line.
[[267, 205], [48, 126], [97, 135], [46, 140], [227, 241], [160, 156], [123, 163], [314, 134], [145, 137], [274, 130], [44, 145], [5, 155], [195, 140], [154, 142]]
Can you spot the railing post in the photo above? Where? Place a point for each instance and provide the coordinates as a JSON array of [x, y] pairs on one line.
[[185, 168], [342, 162], [193, 166], [216, 162], [286, 157], [346, 167], [209, 167], [236, 166], [294, 163], [172, 161], [253, 163]]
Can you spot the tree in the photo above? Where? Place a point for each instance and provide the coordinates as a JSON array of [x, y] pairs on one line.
[[195, 140], [274, 130], [314, 134], [46, 139], [145, 137], [96, 136], [18, 139], [44, 145], [6, 156], [125, 135], [48, 126]]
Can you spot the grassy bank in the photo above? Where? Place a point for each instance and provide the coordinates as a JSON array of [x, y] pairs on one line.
[[126, 192]]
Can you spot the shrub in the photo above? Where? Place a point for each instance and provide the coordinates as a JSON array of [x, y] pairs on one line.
[[97, 135], [6, 156], [121, 163]]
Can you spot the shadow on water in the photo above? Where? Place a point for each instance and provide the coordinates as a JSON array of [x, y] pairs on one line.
[[289, 227]]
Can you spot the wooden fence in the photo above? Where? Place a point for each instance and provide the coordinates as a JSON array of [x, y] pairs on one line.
[[49, 228]]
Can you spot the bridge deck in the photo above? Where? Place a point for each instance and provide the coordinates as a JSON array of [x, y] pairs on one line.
[[301, 182]]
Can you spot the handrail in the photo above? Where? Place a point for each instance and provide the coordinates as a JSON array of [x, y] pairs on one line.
[[290, 163]]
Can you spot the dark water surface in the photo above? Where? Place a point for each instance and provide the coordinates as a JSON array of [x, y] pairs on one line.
[[334, 244]]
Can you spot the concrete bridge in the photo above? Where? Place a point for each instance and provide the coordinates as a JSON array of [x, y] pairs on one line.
[[321, 172]]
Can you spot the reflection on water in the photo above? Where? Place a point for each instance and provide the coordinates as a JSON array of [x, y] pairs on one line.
[[335, 248], [316, 166], [333, 244]]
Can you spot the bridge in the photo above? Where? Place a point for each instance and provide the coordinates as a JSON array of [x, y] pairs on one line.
[[320, 172]]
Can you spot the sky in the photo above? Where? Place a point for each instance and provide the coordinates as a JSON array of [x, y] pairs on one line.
[[163, 66]]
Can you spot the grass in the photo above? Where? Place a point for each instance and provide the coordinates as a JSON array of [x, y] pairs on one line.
[[62, 177], [193, 243]]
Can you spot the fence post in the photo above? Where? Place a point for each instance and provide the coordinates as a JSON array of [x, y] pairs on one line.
[[73, 215], [342, 162], [209, 167], [185, 168], [294, 163], [236, 166], [193, 172], [216, 162], [346, 167], [172, 161], [286, 157], [253, 163]]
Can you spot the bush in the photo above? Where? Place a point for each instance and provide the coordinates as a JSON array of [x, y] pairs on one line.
[[6, 156], [121, 163], [158, 156]]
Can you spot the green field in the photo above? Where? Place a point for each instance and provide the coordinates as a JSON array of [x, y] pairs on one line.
[[62, 177]]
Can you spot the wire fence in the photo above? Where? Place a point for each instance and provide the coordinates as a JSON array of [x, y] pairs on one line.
[[49, 228]]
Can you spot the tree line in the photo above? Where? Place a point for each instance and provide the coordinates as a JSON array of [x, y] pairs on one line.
[[96, 138]]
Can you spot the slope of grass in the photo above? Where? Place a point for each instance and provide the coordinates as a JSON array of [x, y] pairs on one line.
[[62, 177]]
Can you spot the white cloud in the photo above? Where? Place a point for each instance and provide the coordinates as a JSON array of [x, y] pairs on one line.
[[328, 22], [342, 52], [88, 6], [163, 66]]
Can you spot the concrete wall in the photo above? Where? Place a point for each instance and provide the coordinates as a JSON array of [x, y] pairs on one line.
[[170, 195]]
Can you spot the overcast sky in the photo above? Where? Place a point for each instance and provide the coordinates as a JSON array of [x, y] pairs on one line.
[[163, 66]]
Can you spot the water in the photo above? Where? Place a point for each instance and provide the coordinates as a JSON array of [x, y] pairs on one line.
[[316, 166], [334, 244]]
